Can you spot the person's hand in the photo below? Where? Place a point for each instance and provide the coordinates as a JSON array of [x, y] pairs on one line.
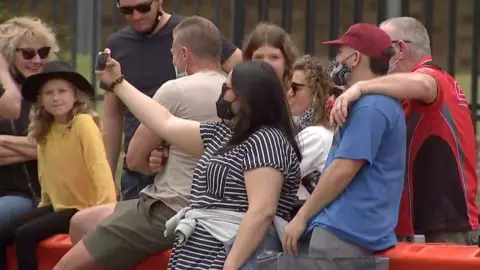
[[157, 159], [292, 233], [339, 111], [112, 70]]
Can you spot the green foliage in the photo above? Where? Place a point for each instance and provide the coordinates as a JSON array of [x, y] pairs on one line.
[[4, 14], [61, 30]]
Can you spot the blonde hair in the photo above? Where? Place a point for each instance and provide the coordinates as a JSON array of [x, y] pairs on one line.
[[318, 80], [41, 120], [30, 29]]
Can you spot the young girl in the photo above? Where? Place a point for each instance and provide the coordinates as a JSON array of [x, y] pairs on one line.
[[72, 164], [271, 43]]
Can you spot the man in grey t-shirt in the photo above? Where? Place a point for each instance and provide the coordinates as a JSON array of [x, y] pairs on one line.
[[134, 231]]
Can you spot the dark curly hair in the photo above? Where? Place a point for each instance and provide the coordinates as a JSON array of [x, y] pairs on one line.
[[319, 81], [266, 33]]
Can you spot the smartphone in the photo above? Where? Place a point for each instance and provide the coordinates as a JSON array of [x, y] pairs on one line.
[[101, 61]]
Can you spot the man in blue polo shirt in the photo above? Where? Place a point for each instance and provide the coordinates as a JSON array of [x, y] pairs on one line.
[[353, 210]]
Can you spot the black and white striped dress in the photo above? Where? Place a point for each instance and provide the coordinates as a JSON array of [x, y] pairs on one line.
[[218, 183]]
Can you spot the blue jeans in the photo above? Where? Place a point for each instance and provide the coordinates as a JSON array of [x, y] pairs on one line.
[[132, 183], [271, 242], [12, 206]]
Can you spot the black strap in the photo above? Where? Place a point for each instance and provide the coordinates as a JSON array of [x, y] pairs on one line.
[[430, 63], [310, 181]]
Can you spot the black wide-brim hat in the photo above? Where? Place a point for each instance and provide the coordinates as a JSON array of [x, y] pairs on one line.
[[56, 69]]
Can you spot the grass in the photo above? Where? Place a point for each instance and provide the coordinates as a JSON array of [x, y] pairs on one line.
[[84, 66]]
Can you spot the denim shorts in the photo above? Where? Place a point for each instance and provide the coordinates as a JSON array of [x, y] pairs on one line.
[[271, 242]]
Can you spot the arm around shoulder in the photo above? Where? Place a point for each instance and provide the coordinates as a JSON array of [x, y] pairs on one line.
[[404, 86]]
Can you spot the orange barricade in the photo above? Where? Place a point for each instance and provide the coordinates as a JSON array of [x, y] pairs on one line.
[[159, 261], [420, 256], [51, 250], [404, 256]]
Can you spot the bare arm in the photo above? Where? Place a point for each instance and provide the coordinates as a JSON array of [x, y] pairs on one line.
[[185, 134], [332, 183], [21, 144], [143, 142], [263, 198], [10, 101], [234, 59], [412, 85], [112, 129], [9, 156]]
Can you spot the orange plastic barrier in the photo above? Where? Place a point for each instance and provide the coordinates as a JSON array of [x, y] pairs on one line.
[[51, 250], [420, 256], [404, 256], [159, 261]]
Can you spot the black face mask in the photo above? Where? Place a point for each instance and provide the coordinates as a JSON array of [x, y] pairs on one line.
[[339, 71], [224, 109]]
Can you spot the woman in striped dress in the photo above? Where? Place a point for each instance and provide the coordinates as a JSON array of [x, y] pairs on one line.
[[249, 165]]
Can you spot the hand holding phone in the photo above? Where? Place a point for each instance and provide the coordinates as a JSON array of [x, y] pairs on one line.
[[101, 61]]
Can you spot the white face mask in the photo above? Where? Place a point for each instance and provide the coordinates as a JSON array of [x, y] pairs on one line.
[[392, 66], [177, 73]]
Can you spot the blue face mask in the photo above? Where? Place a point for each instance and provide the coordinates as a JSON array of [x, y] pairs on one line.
[[180, 74]]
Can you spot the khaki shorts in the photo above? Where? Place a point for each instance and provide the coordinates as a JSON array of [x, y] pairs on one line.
[[327, 245], [133, 233]]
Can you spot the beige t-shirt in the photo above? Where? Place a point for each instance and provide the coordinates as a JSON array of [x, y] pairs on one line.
[[192, 97]]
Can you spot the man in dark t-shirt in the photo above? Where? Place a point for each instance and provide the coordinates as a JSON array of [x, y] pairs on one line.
[[143, 50]]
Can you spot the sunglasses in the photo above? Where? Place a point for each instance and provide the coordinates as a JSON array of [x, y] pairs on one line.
[[296, 87], [142, 8], [30, 53]]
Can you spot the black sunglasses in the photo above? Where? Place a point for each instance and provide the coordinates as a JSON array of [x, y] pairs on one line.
[[295, 86], [30, 53], [142, 8]]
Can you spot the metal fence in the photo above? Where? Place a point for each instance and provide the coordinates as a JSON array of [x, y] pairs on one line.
[[86, 24]]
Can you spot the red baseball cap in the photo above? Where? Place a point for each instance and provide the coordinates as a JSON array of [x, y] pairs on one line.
[[366, 38]]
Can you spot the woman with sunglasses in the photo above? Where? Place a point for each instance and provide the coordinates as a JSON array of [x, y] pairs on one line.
[[310, 90], [25, 44]]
